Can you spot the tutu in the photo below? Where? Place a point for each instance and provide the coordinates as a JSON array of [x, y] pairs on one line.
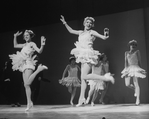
[[70, 81], [21, 62], [134, 71], [98, 85], [85, 54], [24, 59]]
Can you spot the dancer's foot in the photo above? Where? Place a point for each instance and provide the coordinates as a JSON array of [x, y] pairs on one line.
[[42, 67], [92, 104], [109, 77], [71, 103], [101, 102], [88, 99], [137, 102], [29, 106], [81, 102]]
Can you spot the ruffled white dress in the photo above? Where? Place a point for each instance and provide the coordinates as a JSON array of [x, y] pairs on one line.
[[24, 59], [133, 69], [97, 84], [84, 51], [72, 78]]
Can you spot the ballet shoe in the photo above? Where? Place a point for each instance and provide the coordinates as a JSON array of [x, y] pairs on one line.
[[109, 77], [137, 103], [42, 67], [92, 104], [71, 103], [29, 107], [81, 102], [87, 101]]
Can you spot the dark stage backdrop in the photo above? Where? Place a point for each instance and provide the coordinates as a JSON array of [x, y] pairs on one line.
[[123, 27]]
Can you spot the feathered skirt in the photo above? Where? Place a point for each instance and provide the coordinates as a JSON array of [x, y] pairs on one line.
[[85, 54], [133, 71], [97, 84], [70, 81], [21, 62]]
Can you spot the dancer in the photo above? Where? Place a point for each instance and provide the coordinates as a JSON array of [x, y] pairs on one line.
[[71, 81], [24, 61], [98, 85], [85, 54], [105, 63], [132, 69]]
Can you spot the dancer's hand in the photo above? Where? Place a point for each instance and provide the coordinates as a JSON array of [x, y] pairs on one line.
[[43, 40], [17, 34], [63, 19]]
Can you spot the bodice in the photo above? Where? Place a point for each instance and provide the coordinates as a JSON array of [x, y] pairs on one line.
[[86, 39], [28, 49], [132, 58], [72, 72]]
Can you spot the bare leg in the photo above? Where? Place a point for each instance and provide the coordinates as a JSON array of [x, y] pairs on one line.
[[106, 77], [94, 97], [90, 94], [73, 95], [131, 86], [103, 93], [85, 68], [28, 77], [137, 90]]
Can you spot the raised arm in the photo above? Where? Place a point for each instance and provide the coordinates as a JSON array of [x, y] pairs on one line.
[[39, 50], [15, 43], [76, 32], [96, 34]]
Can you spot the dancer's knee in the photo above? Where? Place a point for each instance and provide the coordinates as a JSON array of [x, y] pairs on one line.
[[26, 85]]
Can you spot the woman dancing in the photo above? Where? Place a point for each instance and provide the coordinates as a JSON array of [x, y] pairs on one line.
[[132, 69], [96, 85], [85, 53], [71, 81], [24, 61]]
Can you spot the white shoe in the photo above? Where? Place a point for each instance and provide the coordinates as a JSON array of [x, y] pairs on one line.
[[109, 77]]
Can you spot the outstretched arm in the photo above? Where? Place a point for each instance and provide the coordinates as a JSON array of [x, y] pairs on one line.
[[15, 43], [39, 50], [76, 32], [96, 34]]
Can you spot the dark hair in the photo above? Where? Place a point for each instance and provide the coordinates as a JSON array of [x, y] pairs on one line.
[[71, 58], [102, 56], [132, 42]]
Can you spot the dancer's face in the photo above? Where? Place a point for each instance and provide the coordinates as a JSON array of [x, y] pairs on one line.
[[88, 24], [27, 36], [133, 46], [72, 62], [105, 58]]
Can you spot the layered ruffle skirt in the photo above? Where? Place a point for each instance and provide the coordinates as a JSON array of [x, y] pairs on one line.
[[21, 62], [98, 85], [133, 71], [70, 81], [85, 54]]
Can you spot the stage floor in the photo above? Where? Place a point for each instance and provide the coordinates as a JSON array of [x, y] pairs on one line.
[[117, 111]]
